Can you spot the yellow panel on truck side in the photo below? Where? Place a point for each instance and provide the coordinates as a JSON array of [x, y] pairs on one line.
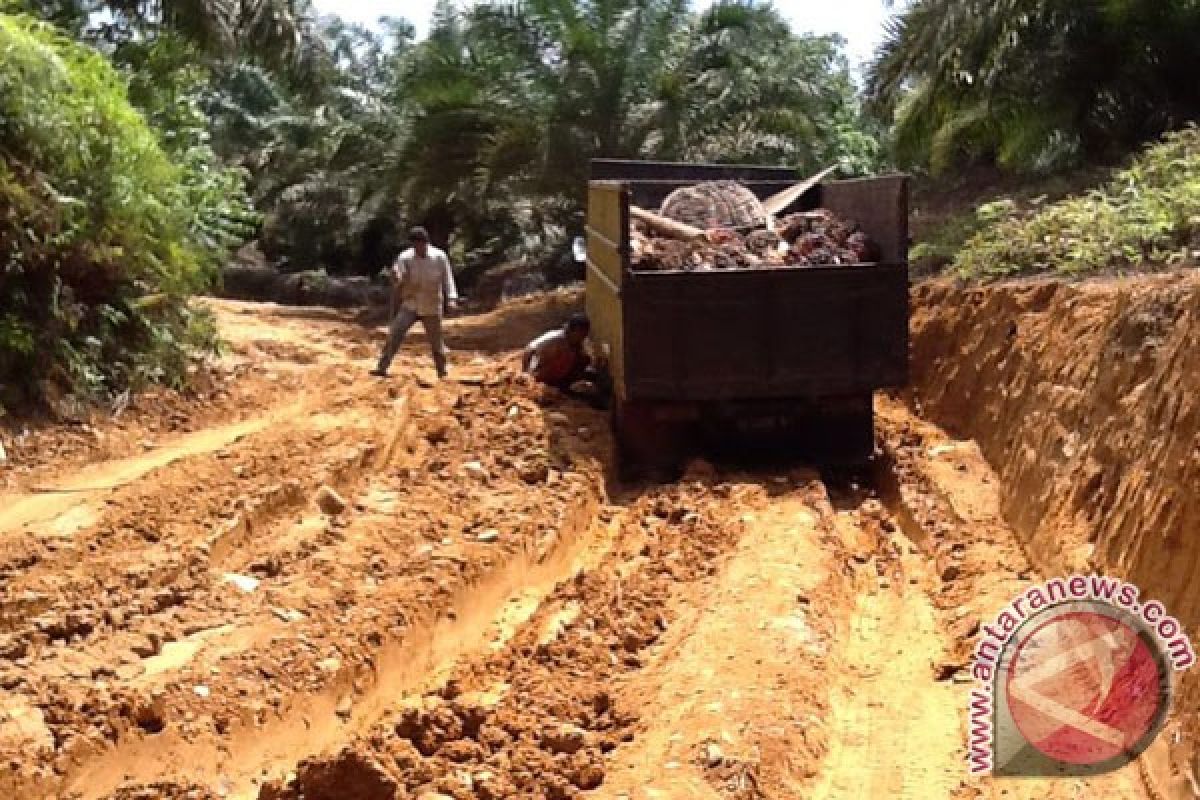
[[607, 240]]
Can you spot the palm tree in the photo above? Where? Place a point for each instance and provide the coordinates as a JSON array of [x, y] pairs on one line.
[[324, 154], [1035, 83], [276, 32], [743, 88], [512, 100]]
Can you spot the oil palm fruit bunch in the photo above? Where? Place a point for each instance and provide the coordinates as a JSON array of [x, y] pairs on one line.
[[740, 234]]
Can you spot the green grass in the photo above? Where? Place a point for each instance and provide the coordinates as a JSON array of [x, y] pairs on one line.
[[1146, 217], [941, 243]]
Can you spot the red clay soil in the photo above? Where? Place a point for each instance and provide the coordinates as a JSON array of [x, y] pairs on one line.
[[329, 586], [204, 599], [1086, 400], [538, 718]]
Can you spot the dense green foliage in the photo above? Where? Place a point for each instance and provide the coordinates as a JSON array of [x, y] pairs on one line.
[[1035, 84], [509, 104], [326, 158], [1149, 213], [275, 32], [104, 231]]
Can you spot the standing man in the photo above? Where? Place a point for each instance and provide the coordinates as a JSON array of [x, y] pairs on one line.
[[423, 287]]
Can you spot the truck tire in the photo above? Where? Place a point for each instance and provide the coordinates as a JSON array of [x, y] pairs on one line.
[[648, 448], [852, 429]]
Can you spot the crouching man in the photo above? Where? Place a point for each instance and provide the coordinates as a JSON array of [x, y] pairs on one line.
[[559, 358], [422, 289]]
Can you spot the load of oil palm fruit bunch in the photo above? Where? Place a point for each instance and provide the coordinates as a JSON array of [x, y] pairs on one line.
[[723, 225]]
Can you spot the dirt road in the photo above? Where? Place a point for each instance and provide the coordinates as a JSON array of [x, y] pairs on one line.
[[308, 583]]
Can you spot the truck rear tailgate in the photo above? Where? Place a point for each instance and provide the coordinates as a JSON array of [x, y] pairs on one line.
[[721, 335]]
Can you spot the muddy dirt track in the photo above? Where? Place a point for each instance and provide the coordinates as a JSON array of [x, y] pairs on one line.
[[306, 583]]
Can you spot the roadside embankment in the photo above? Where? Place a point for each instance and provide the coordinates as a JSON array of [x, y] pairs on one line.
[[1086, 400]]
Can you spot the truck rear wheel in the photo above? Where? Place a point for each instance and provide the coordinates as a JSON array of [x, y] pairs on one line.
[[649, 447], [845, 431]]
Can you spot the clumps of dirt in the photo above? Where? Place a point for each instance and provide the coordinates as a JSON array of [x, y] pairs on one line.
[[537, 719], [131, 628], [733, 778], [81, 615], [158, 791], [503, 473], [471, 746], [348, 775]]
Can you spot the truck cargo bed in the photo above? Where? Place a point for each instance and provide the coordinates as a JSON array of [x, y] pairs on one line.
[[750, 334]]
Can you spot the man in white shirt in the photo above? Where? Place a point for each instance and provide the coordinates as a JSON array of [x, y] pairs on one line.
[[423, 288]]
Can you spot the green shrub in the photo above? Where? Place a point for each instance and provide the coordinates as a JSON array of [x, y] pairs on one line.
[[104, 233], [1147, 216]]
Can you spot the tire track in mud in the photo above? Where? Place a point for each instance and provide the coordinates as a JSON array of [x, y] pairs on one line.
[[165, 516], [695, 660], [62, 507], [529, 719], [706, 643], [407, 585], [537, 717], [85, 616], [733, 699], [477, 623], [971, 563], [895, 731], [356, 696]]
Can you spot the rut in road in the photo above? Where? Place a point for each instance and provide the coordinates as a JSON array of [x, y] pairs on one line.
[[896, 731], [731, 697], [805, 656], [809, 669], [59, 508], [963, 563]]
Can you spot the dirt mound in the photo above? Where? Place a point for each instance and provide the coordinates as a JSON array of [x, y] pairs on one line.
[[349, 774], [515, 323]]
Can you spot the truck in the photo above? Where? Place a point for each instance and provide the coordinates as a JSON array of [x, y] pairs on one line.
[[779, 359]]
